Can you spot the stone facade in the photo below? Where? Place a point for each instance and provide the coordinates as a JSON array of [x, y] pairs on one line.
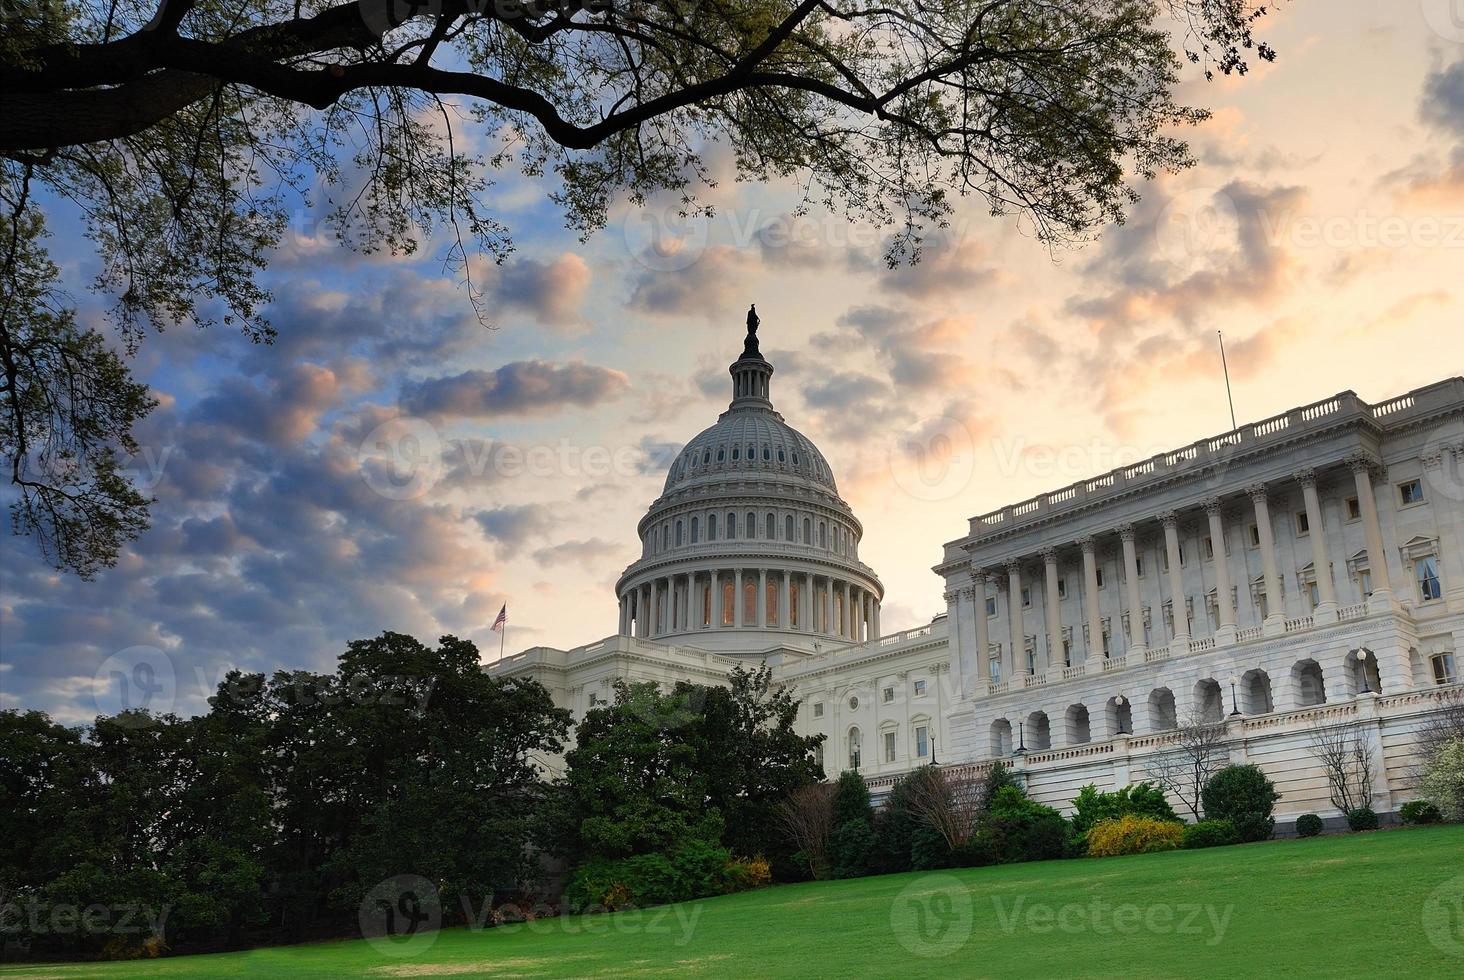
[[1301, 571]]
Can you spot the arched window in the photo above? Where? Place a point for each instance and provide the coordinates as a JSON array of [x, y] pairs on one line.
[[771, 528], [1162, 713], [1307, 684], [782, 456], [767, 454], [711, 527], [788, 528], [749, 603], [706, 605], [721, 455], [734, 453], [678, 534], [1209, 700], [695, 530], [731, 526], [795, 457], [1001, 738], [1078, 728], [706, 457], [823, 534], [793, 606], [729, 603], [751, 526], [771, 603], [807, 531], [1039, 732]]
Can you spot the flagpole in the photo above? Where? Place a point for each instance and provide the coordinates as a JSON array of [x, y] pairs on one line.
[[1226, 368]]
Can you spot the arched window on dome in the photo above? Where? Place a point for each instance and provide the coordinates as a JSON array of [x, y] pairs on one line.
[[711, 527], [823, 534], [665, 536], [734, 453], [771, 603], [731, 525], [782, 456], [807, 531], [767, 454], [793, 606], [788, 528], [695, 530], [706, 605], [729, 600], [706, 457], [751, 452], [795, 457], [750, 528], [678, 534], [771, 526], [749, 604], [721, 455]]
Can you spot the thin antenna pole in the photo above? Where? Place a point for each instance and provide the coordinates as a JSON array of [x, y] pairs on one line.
[[502, 636], [1226, 368]]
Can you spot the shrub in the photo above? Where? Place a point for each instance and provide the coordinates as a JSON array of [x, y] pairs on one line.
[[1244, 796], [1362, 818], [1134, 835], [1022, 829], [928, 850], [1308, 825], [696, 868], [851, 799], [895, 829], [998, 777], [1209, 833], [745, 874], [1141, 800], [1443, 779], [1420, 811], [850, 846], [986, 846]]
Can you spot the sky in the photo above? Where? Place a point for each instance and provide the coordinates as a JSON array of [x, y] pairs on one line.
[[392, 463]]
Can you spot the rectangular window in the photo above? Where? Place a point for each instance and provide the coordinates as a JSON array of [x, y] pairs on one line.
[[1353, 508], [1265, 606], [889, 695], [1443, 668], [1410, 492], [1313, 594], [920, 689], [1099, 577], [1031, 658], [1303, 524], [1026, 597], [1062, 588], [1426, 571], [1209, 547], [990, 605], [922, 741], [818, 709], [1139, 565], [1364, 582], [889, 742], [1255, 536], [993, 670], [1067, 652]]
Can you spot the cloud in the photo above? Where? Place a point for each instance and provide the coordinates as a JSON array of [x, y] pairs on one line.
[[511, 527], [587, 553], [521, 388], [709, 286], [551, 292]]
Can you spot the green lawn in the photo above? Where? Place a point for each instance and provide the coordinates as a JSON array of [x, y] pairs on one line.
[[1381, 904]]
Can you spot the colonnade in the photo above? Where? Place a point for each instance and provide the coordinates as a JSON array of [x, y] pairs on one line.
[[742, 598]]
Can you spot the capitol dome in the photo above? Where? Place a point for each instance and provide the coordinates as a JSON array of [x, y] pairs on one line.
[[750, 547]]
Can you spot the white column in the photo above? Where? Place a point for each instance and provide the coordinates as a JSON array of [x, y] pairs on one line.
[[1451, 532], [1321, 563], [956, 615], [981, 640], [1135, 599], [1014, 618], [1091, 611], [1276, 605], [1054, 612], [875, 615], [737, 598], [762, 598], [1377, 557], [1225, 608], [1170, 520]]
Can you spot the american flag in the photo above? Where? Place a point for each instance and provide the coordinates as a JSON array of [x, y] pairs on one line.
[[502, 619]]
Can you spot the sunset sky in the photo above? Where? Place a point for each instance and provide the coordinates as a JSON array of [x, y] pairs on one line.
[[1322, 231]]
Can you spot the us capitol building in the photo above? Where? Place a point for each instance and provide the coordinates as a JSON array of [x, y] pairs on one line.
[[1299, 572]]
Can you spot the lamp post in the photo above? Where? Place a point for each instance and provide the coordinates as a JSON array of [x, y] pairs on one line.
[[933, 761], [1234, 707], [1118, 705], [1362, 656], [1021, 748]]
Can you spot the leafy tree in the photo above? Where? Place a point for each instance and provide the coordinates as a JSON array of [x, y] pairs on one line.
[[1141, 799], [1243, 795], [851, 844], [185, 133]]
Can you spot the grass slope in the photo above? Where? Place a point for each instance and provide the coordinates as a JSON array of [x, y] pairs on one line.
[[1360, 905]]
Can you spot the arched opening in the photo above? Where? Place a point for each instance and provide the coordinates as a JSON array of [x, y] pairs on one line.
[[1120, 714], [1039, 733], [770, 601], [751, 525], [711, 527], [793, 601], [788, 528], [1001, 738], [731, 526], [1307, 683], [855, 748], [1079, 730], [1362, 672], [678, 534], [771, 527], [1209, 700], [1163, 716], [807, 530], [749, 604], [706, 617], [729, 603], [1255, 693]]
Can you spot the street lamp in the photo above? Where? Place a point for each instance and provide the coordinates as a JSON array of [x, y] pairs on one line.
[[1362, 656], [1021, 748], [1118, 705], [1234, 707], [932, 751]]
